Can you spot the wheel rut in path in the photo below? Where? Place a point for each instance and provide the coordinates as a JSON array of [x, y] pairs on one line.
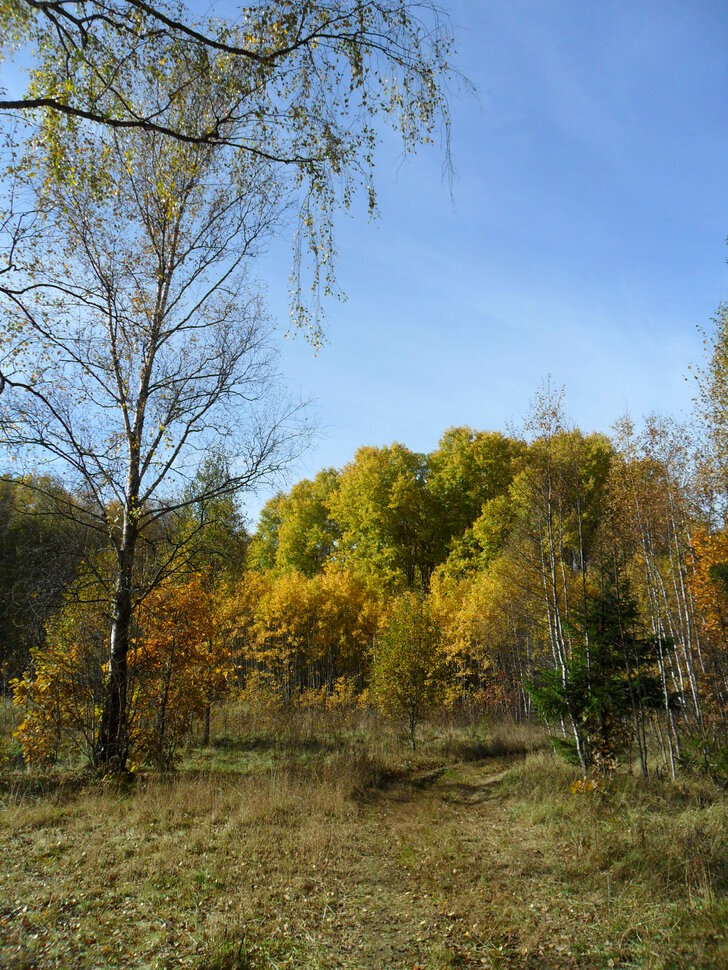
[[416, 847]]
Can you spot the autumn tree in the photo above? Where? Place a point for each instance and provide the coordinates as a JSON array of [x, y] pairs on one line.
[[264, 542], [135, 344], [712, 412], [294, 634], [390, 512], [297, 530], [178, 664], [407, 671], [555, 505], [177, 661], [381, 506], [653, 518], [709, 587], [61, 692], [467, 470], [491, 637]]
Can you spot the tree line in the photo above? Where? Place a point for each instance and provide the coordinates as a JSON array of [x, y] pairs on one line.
[[151, 158], [579, 578]]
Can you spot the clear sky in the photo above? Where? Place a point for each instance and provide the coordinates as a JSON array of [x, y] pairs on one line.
[[586, 238]]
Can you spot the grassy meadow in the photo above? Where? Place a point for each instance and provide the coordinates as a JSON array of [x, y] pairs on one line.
[[332, 845]]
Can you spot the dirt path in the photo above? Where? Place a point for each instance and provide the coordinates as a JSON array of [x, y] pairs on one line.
[[408, 888]]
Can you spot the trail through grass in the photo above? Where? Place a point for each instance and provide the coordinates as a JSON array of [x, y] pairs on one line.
[[332, 860]]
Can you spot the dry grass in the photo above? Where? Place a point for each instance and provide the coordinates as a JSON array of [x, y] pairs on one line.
[[332, 846]]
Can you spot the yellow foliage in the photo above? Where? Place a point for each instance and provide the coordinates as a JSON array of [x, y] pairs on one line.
[[177, 665], [584, 786], [291, 634]]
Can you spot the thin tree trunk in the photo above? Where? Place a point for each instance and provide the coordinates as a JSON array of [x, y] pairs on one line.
[[208, 705], [112, 748]]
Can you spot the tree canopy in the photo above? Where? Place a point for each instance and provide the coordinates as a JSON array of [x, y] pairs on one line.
[[298, 86]]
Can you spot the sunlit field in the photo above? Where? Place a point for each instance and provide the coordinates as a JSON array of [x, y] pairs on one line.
[[333, 845]]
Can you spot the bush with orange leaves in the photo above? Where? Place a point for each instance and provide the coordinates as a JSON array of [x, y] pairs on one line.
[[177, 667], [62, 692]]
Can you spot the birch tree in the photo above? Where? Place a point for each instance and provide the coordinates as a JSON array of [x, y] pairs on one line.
[[135, 344], [307, 84]]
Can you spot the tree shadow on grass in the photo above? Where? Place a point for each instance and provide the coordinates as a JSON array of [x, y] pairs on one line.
[[465, 793], [485, 750], [249, 743], [57, 785]]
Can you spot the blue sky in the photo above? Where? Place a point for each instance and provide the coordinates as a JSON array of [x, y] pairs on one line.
[[586, 238]]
